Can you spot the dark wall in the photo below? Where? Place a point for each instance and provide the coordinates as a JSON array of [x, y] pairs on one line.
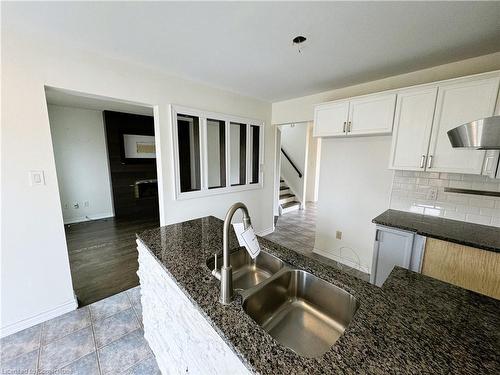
[[124, 173]]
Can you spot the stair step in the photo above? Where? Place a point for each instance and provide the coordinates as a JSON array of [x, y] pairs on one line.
[[285, 198], [290, 206]]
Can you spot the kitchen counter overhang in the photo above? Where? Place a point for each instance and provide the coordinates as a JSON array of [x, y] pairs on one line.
[[414, 324]]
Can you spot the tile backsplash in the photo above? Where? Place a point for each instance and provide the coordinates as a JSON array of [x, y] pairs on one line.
[[415, 192]]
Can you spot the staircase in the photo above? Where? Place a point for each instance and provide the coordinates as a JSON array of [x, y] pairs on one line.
[[288, 200]]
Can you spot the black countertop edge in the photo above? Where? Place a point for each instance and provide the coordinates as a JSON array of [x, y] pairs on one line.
[[475, 235]]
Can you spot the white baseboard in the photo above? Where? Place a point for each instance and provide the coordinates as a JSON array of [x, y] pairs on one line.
[[81, 219], [265, 232], [342, 260], [39, 318]]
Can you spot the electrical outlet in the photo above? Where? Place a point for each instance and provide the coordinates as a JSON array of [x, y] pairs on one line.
[[76, 206], [432, 194], [86, 204], [338, 235]]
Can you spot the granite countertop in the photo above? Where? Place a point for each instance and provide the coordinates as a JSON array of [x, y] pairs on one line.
[[413, 325], [481, 236]]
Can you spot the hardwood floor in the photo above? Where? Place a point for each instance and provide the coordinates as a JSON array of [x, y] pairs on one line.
[[103, 256]]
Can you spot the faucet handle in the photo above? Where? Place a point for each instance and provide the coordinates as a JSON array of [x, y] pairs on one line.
[[215, 272]]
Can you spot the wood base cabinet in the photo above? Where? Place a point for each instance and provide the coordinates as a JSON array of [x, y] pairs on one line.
[[467, 267]]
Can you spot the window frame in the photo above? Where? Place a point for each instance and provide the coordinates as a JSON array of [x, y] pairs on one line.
[[203, 116]]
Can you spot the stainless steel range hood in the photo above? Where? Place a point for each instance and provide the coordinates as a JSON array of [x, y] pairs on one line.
[[481, 134]]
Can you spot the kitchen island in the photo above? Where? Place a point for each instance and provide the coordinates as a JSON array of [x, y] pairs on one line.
[[414, 324]]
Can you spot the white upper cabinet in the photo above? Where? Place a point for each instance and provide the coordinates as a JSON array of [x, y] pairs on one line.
[[372, 114], [457, 103], [330, 119], [367, 115], [412, 128]]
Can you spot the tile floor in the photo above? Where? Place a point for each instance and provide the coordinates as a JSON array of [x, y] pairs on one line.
[[105, 337], [297, 231]]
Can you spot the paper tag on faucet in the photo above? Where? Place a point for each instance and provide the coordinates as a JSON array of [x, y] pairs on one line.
[[247, 238], [251, 243], [238, 230]]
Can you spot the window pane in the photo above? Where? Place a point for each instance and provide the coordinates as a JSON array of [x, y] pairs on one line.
[[188, 133], [238, 145], [216, 153], [254, 153]]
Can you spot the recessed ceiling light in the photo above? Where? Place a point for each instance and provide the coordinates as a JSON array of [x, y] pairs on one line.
[[297, 41]]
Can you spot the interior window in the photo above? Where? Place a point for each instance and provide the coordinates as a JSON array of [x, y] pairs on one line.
[[216, 153], [254, 153], [188, 133], [238, 146]]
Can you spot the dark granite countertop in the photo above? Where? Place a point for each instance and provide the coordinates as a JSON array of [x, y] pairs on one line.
[[481, 236], [413, 325]]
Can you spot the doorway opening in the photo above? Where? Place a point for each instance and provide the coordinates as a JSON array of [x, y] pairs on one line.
[[296, 186], [105, 158]]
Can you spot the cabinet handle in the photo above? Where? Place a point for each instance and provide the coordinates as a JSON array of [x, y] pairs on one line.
[[429, 162], [349, 126], [422, 161], [343, 130]]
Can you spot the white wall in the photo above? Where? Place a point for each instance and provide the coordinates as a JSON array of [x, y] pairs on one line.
[[81, 159], [313, 165], [294, 142], [354, 187], [35, 275]]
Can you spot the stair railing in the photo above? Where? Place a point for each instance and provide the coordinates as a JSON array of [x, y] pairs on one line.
[[291, 162]]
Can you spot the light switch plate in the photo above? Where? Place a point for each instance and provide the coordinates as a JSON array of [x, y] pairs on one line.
[[37, 178]]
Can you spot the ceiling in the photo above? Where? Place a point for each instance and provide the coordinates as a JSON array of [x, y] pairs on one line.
[[247, 48], [72, 99]]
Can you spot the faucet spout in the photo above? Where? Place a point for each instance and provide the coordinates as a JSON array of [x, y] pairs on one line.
[[226, 271]]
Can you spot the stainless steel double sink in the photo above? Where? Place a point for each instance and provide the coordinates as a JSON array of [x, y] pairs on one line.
[[299, 310]]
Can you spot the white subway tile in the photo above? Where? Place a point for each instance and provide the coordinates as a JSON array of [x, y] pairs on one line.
[[495, 221], [474, 178], [455, 176], [457, 198], [409, 173], [494, 212], [453, 215], [422, 181], [446, 205], [467, 209], [482, 202], [439, 182], [478, 219], [410, 190], [460, 184], [491, 186]]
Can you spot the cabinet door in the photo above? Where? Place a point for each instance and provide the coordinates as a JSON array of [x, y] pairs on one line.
[[392, 248], [459, 103], [412, 128], [330, 119], [372, 114]]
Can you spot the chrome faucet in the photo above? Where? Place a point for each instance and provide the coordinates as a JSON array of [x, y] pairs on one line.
[[225, 275]]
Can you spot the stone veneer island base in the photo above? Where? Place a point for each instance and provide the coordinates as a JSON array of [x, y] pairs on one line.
[[180, 337]]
